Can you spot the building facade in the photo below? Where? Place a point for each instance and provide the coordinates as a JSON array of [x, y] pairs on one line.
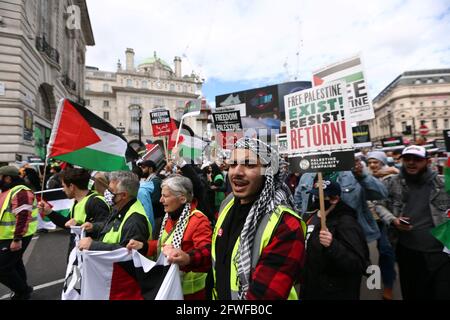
[[42, 59], [126, 97], [414, 99]]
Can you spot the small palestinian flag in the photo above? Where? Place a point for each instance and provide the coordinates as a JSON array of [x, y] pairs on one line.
[[82, 138], [192, 108], [442, 233], [191, 148], [59, 203]]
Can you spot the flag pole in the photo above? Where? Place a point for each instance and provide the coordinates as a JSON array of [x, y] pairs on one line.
[[166, 150], [323, 218], [179, 131], [43, 178]]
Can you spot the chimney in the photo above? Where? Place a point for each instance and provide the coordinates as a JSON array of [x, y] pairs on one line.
[[177, 62], [119, 66], [129, 53]]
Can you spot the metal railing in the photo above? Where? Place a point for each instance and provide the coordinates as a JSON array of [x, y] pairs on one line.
[[43, 46]]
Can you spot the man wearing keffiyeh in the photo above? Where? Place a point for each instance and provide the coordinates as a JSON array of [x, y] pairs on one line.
[[258, 241]]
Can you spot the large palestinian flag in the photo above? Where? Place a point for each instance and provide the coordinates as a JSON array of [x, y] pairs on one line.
[[82, 138]]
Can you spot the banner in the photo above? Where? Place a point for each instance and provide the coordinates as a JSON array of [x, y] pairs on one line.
[[160, 121], [350, 71], [227, 121], [361, 136]]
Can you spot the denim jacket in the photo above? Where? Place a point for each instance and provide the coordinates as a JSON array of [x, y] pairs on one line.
[[355, 193]]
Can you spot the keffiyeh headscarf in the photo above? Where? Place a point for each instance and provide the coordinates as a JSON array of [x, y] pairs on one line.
[[275, 192]]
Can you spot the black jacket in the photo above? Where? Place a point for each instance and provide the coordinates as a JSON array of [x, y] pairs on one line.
[[97, 211], [136, 227], [335, 273]]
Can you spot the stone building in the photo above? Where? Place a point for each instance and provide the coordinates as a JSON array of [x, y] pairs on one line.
[[126, 97], [415, 99], [42, 59]]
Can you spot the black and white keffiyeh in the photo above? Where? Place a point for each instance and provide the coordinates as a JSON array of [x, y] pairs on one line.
[[179, 227], [275, 192]]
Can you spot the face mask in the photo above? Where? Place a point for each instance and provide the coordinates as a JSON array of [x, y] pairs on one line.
[[109, 198]]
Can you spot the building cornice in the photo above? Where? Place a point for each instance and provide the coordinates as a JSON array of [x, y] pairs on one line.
[[155, 92], [86, 23], [391, 100]]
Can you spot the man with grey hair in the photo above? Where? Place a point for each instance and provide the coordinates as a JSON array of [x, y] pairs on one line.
[[128, 219]]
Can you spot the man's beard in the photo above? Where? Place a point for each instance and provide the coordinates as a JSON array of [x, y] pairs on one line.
[[414, 177], [145, 174]]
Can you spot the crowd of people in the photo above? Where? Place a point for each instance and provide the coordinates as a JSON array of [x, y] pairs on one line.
[[247, 228]]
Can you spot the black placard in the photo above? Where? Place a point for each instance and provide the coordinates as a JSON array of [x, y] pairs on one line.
[[336, 161], [228, 121]]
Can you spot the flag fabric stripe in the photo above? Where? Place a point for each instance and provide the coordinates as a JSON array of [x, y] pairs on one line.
[[442, 233], [338, 67], [447, 179], [95, 160], [109, 144], [192, 109]]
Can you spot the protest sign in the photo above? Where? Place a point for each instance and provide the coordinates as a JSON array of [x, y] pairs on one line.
[[350, 71], [160, 121], [227, 121], [392, 142], [317, 126], [361, 136]]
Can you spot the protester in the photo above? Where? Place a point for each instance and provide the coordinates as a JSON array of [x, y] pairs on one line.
[[146, 189], [54, 181], [215, 186], [18, 223], [377, 163], [150, 175], [127, 221], [258, 242], [418, 202], [357, 186], [337, 257], [88, 205], [185, 236]]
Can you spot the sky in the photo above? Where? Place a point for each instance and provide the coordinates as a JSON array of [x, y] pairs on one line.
[[242, 44]]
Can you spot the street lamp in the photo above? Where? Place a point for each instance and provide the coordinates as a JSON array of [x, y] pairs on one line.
[[139, 123], [388, 109]]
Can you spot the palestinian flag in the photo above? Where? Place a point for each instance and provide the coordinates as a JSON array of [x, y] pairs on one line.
[[119, 275], [349, 70], [192, 108], [191, 147], [442, 233], [59, 203], [82, 138]]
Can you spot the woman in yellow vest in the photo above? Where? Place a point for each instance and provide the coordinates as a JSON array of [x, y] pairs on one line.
[[185, 236]]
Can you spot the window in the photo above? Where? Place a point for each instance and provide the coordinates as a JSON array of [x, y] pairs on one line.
[[441, 80], [403, 125], [135, 100], [88, 102], [129, 83], [106, 103], [445, 123], [433, 103], [185, 88], [413, 103], [430, 81], [135, 113], [418, 81], [158, 103], [172, 87], [403, 115], [144, 84], [106, 115], [87, 86], [445, 102], [106, 87], [434, 122], [421, 103]]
